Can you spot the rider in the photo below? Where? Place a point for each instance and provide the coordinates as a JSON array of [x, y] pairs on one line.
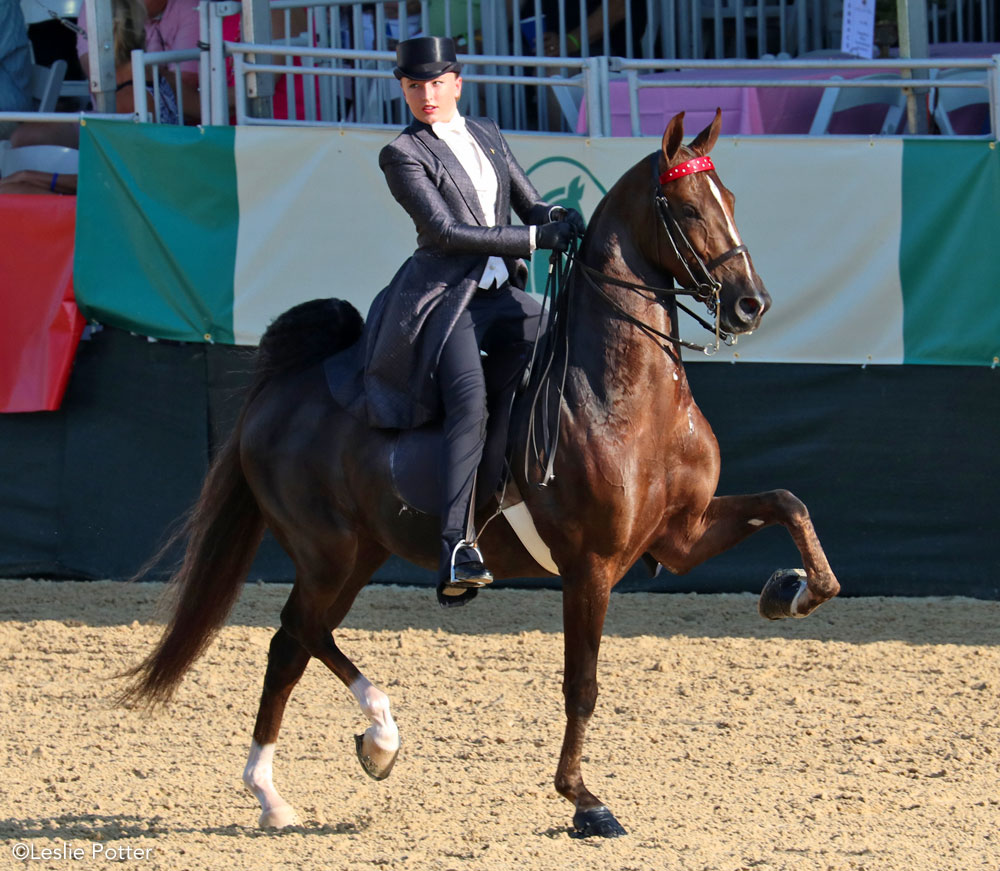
[[462, 290]]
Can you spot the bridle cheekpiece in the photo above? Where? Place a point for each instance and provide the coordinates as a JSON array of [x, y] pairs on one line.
[[700, 283]]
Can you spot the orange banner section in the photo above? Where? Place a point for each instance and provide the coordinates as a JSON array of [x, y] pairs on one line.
[[40, 325]]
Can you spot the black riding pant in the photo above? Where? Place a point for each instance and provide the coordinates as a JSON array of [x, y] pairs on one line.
[[499, 321]]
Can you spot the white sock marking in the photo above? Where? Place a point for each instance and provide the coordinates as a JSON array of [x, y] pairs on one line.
[[803, 586], [375, 706], [258, 777]]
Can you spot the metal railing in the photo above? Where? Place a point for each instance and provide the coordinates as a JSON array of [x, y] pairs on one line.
[[913, 85], [355, 87], [963, 21], [143, 63], [63, 117], [393, 112]]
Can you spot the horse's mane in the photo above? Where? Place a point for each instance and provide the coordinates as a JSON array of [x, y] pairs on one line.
[[623, 179], [307, 334]]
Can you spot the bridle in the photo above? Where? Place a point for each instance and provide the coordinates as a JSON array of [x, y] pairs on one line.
[[699, 283]]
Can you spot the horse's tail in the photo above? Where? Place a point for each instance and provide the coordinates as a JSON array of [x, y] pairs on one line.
[[223, 531], [225, 526]]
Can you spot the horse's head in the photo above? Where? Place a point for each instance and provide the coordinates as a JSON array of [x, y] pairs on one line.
[[698, 242]]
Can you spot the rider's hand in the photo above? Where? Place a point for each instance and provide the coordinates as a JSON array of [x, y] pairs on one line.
[[555, 236], [571, 217]]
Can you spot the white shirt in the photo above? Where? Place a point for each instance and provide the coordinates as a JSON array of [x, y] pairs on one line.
[[484, 179]]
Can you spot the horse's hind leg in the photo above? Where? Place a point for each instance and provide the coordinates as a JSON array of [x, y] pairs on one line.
[[312, 611], [730, 519], [286, 661]]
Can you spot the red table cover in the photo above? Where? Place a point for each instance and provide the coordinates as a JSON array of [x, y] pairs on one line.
[[40, 325]]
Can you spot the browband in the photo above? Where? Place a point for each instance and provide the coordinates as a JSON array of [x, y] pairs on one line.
[[696, 164]]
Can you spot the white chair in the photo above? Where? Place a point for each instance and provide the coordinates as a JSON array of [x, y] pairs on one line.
[[947, 100], [836, 100], [46, 83], [34, 12], [44, 158]]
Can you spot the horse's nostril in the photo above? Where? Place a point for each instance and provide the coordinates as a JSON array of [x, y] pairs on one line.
[[749, 306]]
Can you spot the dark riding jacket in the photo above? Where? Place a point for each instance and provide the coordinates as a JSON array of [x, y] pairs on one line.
[[410, 319]]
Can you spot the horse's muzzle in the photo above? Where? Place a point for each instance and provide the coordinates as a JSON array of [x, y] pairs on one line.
[[746, 313]]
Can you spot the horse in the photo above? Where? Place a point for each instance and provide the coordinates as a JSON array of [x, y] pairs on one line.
[[633, 472]]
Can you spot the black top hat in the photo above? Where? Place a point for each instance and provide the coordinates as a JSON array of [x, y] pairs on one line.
[[426, 57]]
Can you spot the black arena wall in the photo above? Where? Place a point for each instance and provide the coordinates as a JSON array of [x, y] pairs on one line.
[[896, 463]]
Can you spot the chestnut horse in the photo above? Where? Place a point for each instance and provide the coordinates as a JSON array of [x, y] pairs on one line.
[[635, 472]]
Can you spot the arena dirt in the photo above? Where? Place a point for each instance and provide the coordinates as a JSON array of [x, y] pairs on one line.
[[864, 737]]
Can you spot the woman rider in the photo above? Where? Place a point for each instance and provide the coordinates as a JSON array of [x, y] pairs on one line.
[[462, 290]]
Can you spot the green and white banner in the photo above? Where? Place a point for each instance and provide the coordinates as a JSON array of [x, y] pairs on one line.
[[874, 251]]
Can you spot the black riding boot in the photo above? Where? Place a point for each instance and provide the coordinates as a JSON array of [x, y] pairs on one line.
[[463, 393]]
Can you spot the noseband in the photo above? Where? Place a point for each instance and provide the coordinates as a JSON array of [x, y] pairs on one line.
[[700, 283]]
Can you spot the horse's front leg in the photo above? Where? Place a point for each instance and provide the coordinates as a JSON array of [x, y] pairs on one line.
[[730, 519], [585, 603]]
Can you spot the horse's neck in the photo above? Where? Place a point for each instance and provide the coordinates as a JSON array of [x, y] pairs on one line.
[[619, 359]]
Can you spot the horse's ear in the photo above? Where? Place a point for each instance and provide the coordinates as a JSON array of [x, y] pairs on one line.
[[704, 142], [673, 136]]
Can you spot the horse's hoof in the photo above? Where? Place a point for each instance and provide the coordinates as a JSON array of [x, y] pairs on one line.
[[596, 822], [455, 597], [780, 596], [278, 817], [376, 762]]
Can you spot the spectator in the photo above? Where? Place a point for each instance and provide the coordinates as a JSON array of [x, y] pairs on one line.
[[30, 181], [459, 13], [594, 32], [128, 27], [171, 25], [131, 32], [15, 63]]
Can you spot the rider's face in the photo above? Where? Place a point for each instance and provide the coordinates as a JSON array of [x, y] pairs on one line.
[[436, 100]]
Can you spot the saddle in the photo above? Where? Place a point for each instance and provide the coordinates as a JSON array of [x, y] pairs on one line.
[[415, 456]]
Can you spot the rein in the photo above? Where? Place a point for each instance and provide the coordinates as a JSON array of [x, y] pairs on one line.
[[556, 335], [702, 286]]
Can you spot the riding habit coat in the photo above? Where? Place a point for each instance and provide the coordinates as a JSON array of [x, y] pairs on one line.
[[410, 319]]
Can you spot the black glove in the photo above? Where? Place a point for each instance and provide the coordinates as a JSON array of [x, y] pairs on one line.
[[555, 236], [571, 217]]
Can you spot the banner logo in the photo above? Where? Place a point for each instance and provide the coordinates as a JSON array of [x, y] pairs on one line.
[[564, 182]]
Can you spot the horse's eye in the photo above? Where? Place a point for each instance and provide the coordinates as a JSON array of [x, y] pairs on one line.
[[690, 212]]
